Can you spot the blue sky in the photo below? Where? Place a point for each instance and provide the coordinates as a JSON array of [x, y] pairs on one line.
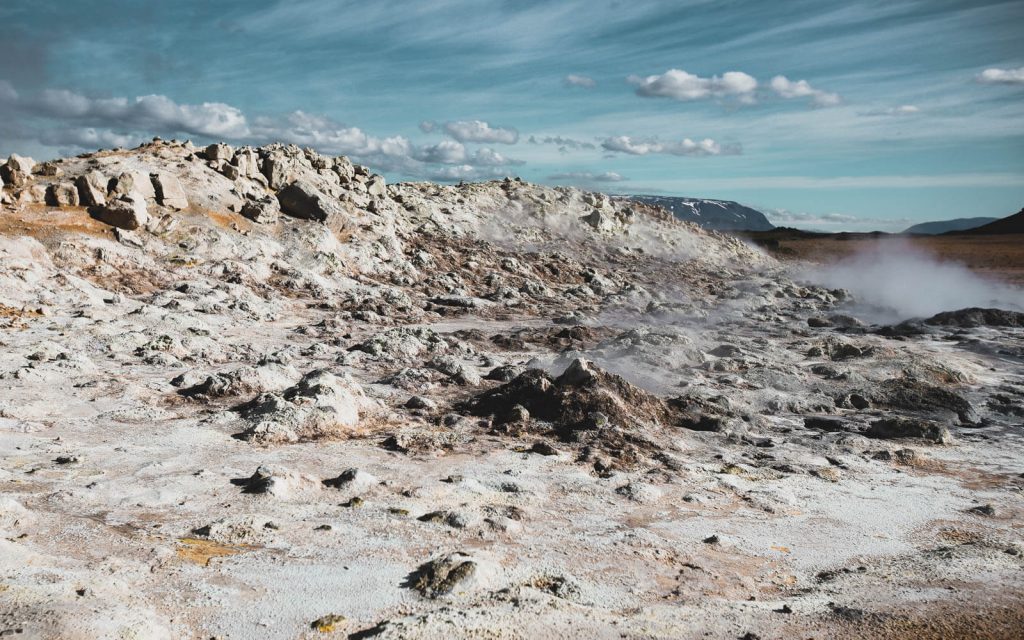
[[833, 115]]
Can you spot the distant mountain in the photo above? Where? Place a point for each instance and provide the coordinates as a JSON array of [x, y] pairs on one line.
[[1009, 224], [720, 215], [946, 226]]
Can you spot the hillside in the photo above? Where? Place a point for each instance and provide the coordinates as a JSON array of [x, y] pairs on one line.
[[1008, 225], [946, 226], [718, 215]]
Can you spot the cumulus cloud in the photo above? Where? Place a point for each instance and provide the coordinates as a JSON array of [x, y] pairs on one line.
[[480, 131], [1001, 76], [575, 80], [445, 152], [786, 88], [587, 176], [428, 126], [155, 112], [681, 85], [684, 147]]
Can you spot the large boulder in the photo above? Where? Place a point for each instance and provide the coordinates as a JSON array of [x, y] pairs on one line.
[[129, 183], [124, 213], [896, 427], [62, 194], [302, 200], [377, 187], [169, 192], [263, 211], [220, 151], [279, 170], [92, 189], [248, 163], [49, 169], [17, 170]]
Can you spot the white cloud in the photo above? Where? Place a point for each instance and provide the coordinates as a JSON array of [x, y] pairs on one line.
[[787, 88], [681, 85], [488, 157], [1001, 76], [428, 126], [480, 131], [575, 80], [684, 147], [563, 143], [444, 152], [154, 112], [587, 176]]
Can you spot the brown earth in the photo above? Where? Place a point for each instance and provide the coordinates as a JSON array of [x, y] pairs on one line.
[[998, 256]]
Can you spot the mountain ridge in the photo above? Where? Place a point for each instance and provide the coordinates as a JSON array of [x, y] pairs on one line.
[[717, 215]]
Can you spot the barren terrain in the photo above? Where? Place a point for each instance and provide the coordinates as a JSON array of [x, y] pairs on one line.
[[259, 393]]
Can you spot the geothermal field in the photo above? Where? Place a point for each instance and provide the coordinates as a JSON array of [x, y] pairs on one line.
[[261, 393]]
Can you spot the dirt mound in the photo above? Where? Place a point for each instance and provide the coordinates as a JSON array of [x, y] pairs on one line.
[[584, 405]]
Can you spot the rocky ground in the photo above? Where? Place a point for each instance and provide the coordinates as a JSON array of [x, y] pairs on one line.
[[260, 393]]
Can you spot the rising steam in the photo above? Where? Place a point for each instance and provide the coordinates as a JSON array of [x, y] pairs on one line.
[[894, 281]]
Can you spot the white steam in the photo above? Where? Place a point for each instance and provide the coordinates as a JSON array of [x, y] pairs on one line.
[[894, 281]]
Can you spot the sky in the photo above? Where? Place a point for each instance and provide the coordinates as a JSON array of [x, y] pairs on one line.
[[833, 115]]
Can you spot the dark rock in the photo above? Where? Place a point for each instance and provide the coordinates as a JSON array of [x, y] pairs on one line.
[[977, 317], [441, 576], [821, 423], [911, 394], [503, 373], [544, 448], [586, 405], [983, 510], [302, 200], [902, 427], [818, 322]]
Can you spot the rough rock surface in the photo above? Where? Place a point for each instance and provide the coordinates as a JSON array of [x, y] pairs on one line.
[[479, 410]]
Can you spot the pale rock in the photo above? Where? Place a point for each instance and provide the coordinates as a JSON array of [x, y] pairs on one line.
[[124, 213], [17, 170], [376, 187], [129, 183], [266, 210], [321, 405], [62, 194], [92, 189], [220, 151], [49, 169], [169, 192], [247, 162], [278, 170]]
